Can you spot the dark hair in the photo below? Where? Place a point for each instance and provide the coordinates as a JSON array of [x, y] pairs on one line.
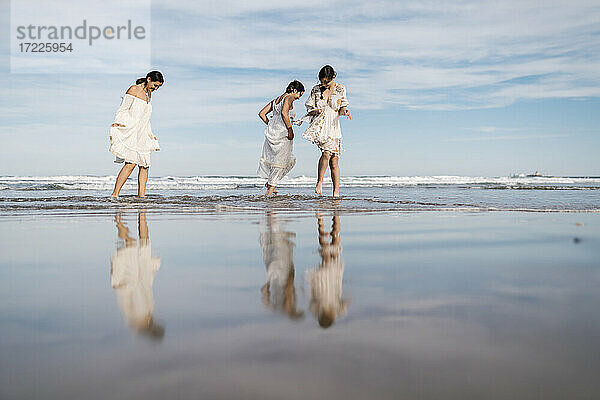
[[297, 85], [155, 76], [153, 331], [325, 319], [327, 72]]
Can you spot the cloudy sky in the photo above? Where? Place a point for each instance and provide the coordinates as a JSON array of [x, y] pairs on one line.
[[435, 87]]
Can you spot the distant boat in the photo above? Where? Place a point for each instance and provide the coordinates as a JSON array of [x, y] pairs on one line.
[[537, 174]]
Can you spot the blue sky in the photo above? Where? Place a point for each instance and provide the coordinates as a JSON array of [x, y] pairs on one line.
[[435, 87]]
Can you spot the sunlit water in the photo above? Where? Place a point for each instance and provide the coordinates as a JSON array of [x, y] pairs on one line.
[[208, 193], [274, 304]]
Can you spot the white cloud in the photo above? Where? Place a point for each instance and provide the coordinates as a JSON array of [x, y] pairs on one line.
[[223, 61], [399, 53], [503, 137], [486, 129]]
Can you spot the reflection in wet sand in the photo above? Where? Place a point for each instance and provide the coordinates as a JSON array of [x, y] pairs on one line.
[[279, 293], [452, 306], [132, 270], [326, 302]]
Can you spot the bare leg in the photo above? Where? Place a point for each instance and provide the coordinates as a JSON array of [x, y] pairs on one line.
[[321, 230], [142, 226], [335, 230], [323, 162], [122, 178], [142, 179], [123, 231], [270, 189], [335, 174]]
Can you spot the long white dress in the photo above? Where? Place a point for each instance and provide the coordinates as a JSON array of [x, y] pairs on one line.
[[278, 256], [277, 158], [324, 129], [135, 141], [132, 274]]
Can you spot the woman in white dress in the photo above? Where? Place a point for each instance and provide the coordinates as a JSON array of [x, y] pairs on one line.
[[132, 270], [277, 158], [326, 302], [326, 103], [131, 137], [279, 292]]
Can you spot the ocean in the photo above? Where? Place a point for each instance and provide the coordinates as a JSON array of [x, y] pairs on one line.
[[20, 194], [406, 287]]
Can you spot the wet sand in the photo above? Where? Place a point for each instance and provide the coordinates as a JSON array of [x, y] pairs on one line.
[[275, 304]]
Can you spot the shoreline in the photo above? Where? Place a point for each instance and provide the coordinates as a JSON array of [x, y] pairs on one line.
[[232, 213], [232, 210]]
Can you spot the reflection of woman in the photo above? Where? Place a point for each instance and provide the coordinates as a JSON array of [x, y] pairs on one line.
[[326, 103], [326, 301], [279, 292], [132, 270]]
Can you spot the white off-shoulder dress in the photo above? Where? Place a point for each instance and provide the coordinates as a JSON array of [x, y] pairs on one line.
[[324, 129], [132, 270], [277, 158], [133, 142]]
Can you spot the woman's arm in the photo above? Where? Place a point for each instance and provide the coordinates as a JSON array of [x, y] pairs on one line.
[[342, 101], [265, 110], [285, 115], [311, 103], [150, 133], [154, 144], [123, 115]]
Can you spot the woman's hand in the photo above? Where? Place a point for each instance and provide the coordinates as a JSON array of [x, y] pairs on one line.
[[345, 112], [290, 134], [263, 113], [115, 124]]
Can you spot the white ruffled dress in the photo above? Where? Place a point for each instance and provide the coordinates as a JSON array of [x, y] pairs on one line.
[[132, 270], [324, 129], [326, 282], [133, 142], [277, 158]]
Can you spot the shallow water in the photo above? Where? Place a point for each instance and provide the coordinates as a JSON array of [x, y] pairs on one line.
[[27, 195], [428, 305]]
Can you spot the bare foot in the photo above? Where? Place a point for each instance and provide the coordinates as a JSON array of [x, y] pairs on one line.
[[319, 188], [336, 193], [270, 189]]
